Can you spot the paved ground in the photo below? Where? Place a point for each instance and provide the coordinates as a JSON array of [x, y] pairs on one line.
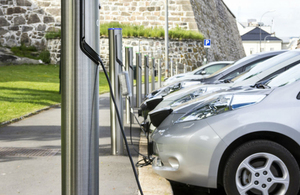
[[24, 169]]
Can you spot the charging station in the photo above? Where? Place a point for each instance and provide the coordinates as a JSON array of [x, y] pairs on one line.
[[159, 73], [138, 79], [129, 69], [153, 74], [115, 67], [146, 74]]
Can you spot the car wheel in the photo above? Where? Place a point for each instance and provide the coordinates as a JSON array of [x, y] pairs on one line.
[[261, 167]]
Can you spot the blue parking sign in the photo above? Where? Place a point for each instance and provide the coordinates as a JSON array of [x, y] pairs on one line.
[[207, 43]]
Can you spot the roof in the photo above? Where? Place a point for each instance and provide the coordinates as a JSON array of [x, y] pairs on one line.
[[254, 35]]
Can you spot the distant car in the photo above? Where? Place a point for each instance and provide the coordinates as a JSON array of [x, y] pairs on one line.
[[199, 73], [246, 141], [226, 73], [262, 72]]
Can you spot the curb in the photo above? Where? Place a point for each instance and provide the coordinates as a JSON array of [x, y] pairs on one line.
[[28, 115]]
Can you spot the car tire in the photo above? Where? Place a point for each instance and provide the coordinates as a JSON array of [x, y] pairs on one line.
[[261, 167]]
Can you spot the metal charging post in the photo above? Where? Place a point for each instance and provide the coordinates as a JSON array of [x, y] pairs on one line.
[[129, 68], [80, 98], [172, 71], [115, 56], [159, 73], [176, 67], [153, 75], [146, 74], [184, 68], [138, 79]]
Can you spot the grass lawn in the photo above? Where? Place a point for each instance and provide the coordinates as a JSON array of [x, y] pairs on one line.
[[27, 88]]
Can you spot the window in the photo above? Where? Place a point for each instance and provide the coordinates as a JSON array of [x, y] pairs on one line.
[[211, 69]]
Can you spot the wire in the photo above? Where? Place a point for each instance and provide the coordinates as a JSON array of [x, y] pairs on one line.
[[121, 126]]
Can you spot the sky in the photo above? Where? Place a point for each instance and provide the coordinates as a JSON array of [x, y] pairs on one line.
[[286, 17]]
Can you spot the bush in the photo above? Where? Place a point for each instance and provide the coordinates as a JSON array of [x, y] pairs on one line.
[[45, 56], [53, 35]]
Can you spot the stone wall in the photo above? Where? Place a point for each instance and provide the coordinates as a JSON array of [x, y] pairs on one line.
[[27, 21]]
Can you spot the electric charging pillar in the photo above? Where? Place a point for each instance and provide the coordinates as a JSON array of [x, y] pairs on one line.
[[172, 71], [115, 68], [176, 68], [153, 75], [184, 68], [138, 79], [129, 68], [146, 74], [80, 99], [159, 73]]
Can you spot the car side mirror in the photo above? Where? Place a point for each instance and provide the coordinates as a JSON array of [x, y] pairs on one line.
[[203, 72]]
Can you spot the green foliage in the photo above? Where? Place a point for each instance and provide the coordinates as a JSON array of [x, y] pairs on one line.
[[53, 35], [45, 56], [31, 52], [26, 51], [130, 30]]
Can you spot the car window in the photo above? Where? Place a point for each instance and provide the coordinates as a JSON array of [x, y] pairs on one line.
[[232, 74], [211, 69]]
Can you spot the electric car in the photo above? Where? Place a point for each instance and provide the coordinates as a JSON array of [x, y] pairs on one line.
[[259, 74], [226, 73], [199, 73], [246, 141]]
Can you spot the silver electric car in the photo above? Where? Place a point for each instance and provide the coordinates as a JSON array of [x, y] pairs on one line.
[[199, 73], [259, 74], [247, 141]]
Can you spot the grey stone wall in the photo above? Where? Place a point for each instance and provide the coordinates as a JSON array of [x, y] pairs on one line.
[[27, 21]]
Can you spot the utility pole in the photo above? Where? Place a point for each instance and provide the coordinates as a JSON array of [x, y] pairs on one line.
[[80, 100]]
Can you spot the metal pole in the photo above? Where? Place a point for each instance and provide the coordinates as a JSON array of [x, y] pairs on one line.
[[138, 79], [159, 73], [129, 68], [146, 74], [172, 68], [176, 67], [115, 51], [153, 75], [184, 68], [80, 101], [166, 38]]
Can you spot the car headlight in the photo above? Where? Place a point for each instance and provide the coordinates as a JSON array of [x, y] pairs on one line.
[[220, 105], [188, 97], [170, 89]]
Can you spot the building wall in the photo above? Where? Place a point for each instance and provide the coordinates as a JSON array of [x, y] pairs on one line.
[[254, 46]]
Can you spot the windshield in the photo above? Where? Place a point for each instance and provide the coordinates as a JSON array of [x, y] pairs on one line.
[[234, 64], [272, 62], [288, 77]]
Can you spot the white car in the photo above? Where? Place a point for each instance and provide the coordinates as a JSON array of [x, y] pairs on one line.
[[199, 73]]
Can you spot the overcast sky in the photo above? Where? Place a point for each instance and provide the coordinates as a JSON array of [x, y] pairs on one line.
[[286, 18]]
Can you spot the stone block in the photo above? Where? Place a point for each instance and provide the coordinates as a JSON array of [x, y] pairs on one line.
[[150, 9], [188, 20], [187, 7], [39, 11], [41, 27], [23, 3], [152, 17], [26, 28], [15, 10], [3, 31], [125, 14], [43, 3], [193, 26], [25, 39], [142, 9], [1, 12], [33, 18], [19, 20], [53, 11], [4, 22]]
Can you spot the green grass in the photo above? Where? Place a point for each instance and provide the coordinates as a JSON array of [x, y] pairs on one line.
[[31, 52], [129, 30], [28, 88]]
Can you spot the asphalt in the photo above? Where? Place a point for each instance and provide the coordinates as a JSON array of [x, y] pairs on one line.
[[30, 158]]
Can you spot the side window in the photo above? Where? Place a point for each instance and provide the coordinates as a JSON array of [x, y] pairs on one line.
[[274, 74], [214, 68], [252, 64], [232, 74], [198, 72]]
